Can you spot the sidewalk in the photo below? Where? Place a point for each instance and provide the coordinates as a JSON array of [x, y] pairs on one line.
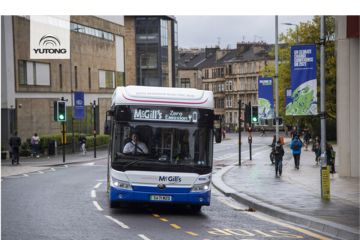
[[29, 164], [296, 196]]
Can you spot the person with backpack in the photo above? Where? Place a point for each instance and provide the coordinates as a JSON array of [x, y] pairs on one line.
[[279, 153], [15, 143], [296, 146], [330, 157], [316, 149]]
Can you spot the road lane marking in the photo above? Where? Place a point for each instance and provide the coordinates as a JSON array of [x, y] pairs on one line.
[[298, 229], [41, 172], [192, 234], [93, 193], [175, 226], [52, 169], [143, 237], [163, 219], [121, 224], [101, 180], [156, 215], [97, 185], [96, 204], [25, 175]]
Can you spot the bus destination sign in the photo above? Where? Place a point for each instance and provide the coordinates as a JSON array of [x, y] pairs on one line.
[[166, 115]]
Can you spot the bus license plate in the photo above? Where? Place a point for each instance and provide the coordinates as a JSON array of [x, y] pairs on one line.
[[160, 198]]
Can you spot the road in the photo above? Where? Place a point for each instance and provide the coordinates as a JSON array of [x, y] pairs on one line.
[[70, 202]]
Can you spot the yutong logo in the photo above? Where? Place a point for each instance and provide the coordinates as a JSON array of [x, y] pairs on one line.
[[49, 44]]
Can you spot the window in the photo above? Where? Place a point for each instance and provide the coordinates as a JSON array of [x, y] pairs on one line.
[[229, 101], [76, 77], [34, 73], [91, 31], [185, 82], [230, 69], [206, 86], [206, 73], [89, 72], [111, 79]]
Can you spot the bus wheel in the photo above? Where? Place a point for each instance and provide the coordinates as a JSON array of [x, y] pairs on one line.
[[195, 208]]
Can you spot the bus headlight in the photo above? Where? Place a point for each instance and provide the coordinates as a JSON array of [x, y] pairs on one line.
[[201, 187], [121, 184]]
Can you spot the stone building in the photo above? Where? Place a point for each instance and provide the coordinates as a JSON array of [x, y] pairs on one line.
[[231, 74], [29, 87], [106, 52], [190, 76]]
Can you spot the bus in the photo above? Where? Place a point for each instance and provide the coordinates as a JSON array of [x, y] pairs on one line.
[[177, 127]]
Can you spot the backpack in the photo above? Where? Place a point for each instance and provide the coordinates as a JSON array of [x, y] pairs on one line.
[[296, 145], [277, 150]]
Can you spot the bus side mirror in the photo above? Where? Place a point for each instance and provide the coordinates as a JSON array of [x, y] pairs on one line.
[[107, 127], [107, 124], [217, 128]]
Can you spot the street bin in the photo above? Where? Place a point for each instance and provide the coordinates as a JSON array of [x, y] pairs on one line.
[[51, 147]]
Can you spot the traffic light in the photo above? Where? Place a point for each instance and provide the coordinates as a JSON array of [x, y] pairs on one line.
[[247, 113], [60, 111], [254, 114]]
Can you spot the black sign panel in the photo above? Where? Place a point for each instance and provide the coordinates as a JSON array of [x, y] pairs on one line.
[[179, 115]]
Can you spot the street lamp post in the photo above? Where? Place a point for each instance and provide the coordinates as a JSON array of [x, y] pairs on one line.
[[296, 28], [276, 77], [72, 94], [93, 105]]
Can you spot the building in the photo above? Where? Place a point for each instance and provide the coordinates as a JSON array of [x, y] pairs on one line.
[[29, 87], [347, 94], [190, 76], [232, 75], [154, 39]]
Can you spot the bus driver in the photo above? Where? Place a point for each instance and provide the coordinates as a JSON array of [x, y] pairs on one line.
[[135, 146]]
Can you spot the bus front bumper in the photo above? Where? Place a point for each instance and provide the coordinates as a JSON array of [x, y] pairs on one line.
[[194, 198]]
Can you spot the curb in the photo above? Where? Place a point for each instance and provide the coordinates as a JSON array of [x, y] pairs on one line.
[[47, 166], [324, 226], [73, 162]]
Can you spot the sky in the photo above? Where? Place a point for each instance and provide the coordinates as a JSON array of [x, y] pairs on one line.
[[208, 31]]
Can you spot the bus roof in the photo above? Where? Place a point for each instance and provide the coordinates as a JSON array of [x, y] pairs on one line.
[[163, 96]]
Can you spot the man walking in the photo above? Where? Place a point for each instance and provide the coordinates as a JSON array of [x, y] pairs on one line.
[[296, 146], [15, 143], [279, 153]]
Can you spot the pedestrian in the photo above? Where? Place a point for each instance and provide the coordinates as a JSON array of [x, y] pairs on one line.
[[307, 137], [262, 131], [15, 143], [296, 146], [35, 145], [223, 133], [279, 154], [316, 149], [82, 141], [330, 157]]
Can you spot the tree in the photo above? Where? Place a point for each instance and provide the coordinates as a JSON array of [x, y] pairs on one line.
[[308, 33]]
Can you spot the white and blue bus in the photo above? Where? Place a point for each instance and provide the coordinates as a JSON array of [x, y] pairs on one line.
[[176, 125]]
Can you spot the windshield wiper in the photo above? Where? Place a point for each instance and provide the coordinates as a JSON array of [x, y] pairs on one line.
[[135, 161]]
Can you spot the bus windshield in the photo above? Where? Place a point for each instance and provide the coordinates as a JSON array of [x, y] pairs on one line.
[[161, 144]]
